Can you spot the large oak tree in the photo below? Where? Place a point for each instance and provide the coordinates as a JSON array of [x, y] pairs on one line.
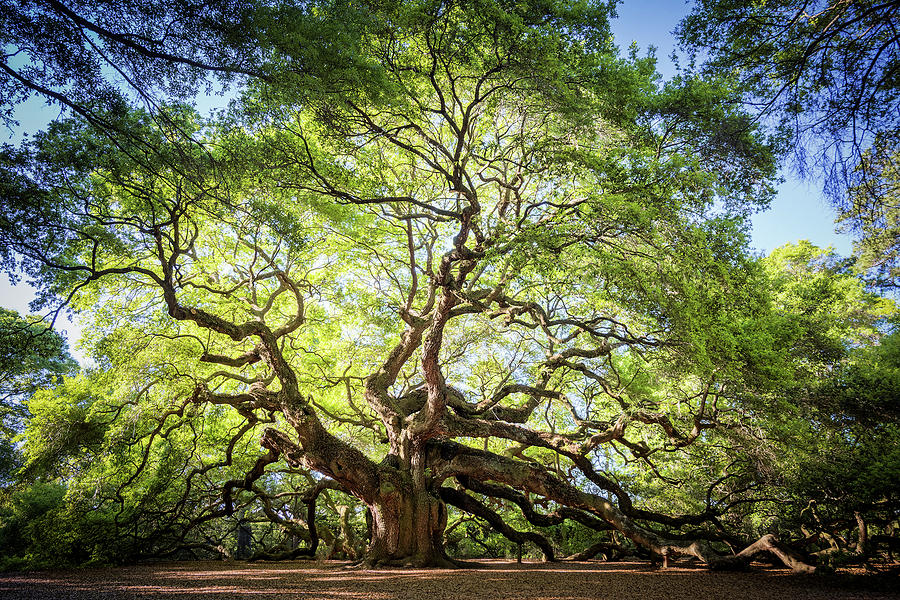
[[437, 253]]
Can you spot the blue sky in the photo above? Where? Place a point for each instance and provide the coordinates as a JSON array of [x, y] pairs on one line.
[[799, 211]]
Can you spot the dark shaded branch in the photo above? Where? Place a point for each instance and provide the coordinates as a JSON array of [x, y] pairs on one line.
[[608, 548], [472, 506], [531, 515]]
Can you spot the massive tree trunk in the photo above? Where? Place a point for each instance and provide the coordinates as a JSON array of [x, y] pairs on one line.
[[408, 517], [407, 528], [408, 522]]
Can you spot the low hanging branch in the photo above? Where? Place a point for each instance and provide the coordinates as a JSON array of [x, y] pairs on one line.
[[467, 503], [310, 550], [593, 550], [533, 517], [478, 464]]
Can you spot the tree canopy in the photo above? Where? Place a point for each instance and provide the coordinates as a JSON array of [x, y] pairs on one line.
[[440, 263], [827, 74]]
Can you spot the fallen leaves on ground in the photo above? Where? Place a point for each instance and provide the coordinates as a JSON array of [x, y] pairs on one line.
[[495, 580]]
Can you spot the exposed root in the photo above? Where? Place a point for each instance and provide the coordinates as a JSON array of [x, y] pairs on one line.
[[295, 554]]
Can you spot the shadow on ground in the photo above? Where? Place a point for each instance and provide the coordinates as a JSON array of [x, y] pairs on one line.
[[498, 580]]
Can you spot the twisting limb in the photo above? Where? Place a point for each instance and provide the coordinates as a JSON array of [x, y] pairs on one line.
[[485, 466], [610, 549], [310, 551], [532, 516], [472, 506]]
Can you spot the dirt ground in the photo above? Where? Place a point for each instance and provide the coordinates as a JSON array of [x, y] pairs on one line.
[[498, 580]]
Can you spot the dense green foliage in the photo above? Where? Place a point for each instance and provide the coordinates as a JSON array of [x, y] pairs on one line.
[[826, 69], [827, 74], [32, 356], [447, 277]]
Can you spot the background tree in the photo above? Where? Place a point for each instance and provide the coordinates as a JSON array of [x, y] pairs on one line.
[[844, 409], [32, 357], [848, 504]]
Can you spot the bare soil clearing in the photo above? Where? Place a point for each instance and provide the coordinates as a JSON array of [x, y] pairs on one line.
[[498, 580]]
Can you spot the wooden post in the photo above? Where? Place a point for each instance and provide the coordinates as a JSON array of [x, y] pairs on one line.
[[519, 555]]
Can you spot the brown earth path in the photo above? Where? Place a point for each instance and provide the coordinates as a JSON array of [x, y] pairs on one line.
[[497, 580]]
